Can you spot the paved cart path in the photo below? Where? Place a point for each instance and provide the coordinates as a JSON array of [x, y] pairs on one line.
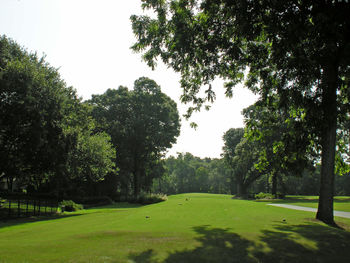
[[309, 209]]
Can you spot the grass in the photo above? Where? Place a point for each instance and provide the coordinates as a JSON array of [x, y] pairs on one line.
[[186, 228], [341, 203]]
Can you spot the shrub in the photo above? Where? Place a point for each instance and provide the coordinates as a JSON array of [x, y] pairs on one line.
[[70, 206], [262, 195], [281, 195], [94, 201], [146, 199]]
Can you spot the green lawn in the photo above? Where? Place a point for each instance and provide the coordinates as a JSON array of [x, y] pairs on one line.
[[341, 203], [186, 228]]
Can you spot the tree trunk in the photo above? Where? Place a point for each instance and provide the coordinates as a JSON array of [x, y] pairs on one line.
[[232, 183], [136, 184], [241, 189], [274, 185], [267, 184], [328, 144], [10, 184]]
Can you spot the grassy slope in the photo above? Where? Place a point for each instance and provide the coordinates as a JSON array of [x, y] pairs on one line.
[[203, 228]]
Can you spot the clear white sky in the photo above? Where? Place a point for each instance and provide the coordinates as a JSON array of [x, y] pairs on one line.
[[89, 41]]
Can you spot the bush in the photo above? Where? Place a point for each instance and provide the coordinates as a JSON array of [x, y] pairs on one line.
[[146, 199], [70, 206], [94, 201], [262, 195]]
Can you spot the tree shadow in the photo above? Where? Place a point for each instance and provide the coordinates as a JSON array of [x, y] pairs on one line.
[[143, 257], [321, 244], [217, 245], [308, 243], [115, 206], [33, 219]]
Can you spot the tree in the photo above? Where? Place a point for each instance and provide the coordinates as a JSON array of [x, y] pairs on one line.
[[231, 139], [33, 105], [188, 173], [298, 49], [142, 123], [241, 156], [281, 136], [90, 161]]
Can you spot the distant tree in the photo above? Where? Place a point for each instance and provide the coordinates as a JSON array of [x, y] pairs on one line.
[[143, 123], [281, 137], [244, 165], [303, 45], [202, 178], [231, 138], [188, 173]]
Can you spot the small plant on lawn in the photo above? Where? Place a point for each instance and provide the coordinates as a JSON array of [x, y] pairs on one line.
[[262, 195], [146, 199], [70, 206], [94, 201]]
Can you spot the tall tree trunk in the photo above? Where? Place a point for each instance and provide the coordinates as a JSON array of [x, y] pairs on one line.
[[10, 184], [232, 183], [160, 184], [136, 184], [328, 144], [274, 185], [241, 188], [267, 184]]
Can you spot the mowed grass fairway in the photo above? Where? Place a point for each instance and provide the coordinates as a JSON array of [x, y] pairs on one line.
[[203, 228]]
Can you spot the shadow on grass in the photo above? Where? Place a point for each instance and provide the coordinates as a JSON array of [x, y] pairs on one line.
[[33, 219], [115, 205], [281, 244], [322, 244]]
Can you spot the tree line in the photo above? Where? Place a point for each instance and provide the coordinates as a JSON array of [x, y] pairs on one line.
[[248, 166], [53, 142]]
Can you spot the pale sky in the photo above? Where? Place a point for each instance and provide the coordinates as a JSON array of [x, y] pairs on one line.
[[89, 41]]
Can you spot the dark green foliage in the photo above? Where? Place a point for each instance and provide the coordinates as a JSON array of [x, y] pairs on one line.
[[147, 199], [262, 195], [93, 201], [70, 206], [281, 138], [34, 103], [241, 156], [142, 123], [47, 142], [342, 185], [297, 49], [187, 173]]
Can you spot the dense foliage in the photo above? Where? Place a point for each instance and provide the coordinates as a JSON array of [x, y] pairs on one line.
[[142, 123], [43, 126], [297, 49], [187, 173], [51, 142]]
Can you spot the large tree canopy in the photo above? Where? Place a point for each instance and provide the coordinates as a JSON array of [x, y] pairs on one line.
[[143, 123], [299, 49], [46, 137], [34, 102]]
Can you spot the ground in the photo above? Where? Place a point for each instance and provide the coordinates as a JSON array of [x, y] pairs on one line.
[[186, 228]]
